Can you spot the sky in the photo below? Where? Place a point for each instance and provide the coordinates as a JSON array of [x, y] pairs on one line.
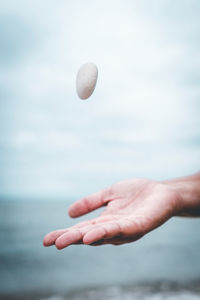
[[143, 119]]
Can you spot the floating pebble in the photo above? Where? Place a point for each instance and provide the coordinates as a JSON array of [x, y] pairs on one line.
[[86, 80]]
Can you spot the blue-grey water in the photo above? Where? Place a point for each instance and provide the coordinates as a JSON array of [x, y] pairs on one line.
[[169, 254]]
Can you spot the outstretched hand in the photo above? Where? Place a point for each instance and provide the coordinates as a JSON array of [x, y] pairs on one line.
[[132, 209]]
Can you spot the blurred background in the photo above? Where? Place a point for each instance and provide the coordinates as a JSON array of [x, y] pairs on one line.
[[143, 120]]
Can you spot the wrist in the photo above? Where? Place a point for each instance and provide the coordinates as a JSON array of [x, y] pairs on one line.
[[188, 189]]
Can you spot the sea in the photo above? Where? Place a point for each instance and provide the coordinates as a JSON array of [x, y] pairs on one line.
[[165, 264]]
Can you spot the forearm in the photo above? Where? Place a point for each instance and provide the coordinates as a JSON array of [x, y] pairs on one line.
[[189, 191]]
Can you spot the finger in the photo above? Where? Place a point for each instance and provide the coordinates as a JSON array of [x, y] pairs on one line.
[[125, 241], [50, 238], [125, 228], [131, 227], [103, 231], [113, 241], [88, 204], [68, 238], [75, 234], [72, 236]]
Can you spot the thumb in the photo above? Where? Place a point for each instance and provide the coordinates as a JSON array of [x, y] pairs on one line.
[[89, 203]]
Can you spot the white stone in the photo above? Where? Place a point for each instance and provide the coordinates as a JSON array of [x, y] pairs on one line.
[[86, 80]]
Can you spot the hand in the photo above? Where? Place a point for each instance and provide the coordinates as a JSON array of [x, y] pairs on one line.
[[132, 209]]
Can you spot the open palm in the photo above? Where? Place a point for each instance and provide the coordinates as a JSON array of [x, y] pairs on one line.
[[132, 209]]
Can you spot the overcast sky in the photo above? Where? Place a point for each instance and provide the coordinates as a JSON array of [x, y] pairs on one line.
[[143, 119]]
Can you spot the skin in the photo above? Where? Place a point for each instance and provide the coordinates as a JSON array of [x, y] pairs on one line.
[[132, 209]]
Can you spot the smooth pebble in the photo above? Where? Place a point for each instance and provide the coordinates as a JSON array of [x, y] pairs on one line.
[[86, 80]]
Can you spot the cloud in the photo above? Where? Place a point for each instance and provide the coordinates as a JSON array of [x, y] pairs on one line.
[[55, 140], [16, 39], [143, 112]]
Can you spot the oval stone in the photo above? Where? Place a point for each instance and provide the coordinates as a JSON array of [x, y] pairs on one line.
[[86, 80]]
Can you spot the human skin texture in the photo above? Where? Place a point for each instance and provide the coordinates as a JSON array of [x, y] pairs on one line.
[[133, 208]]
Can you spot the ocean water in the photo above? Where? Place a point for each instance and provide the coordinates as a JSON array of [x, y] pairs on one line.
[[163, 265]]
